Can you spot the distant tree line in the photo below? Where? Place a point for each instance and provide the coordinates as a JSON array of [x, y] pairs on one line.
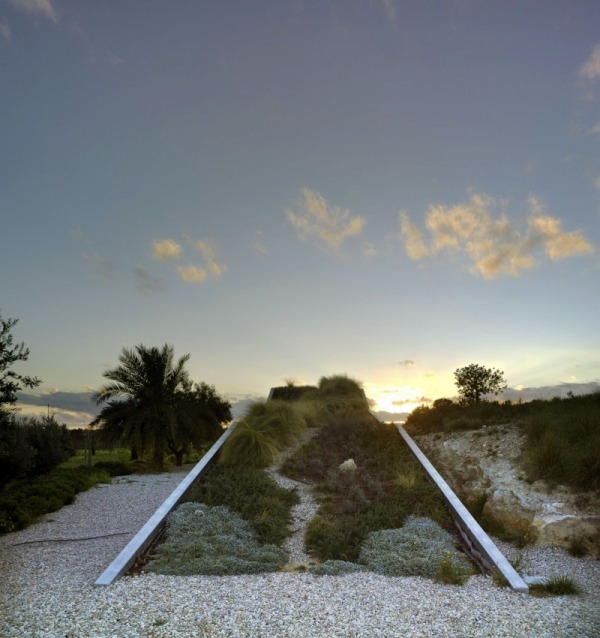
[[151, 406]]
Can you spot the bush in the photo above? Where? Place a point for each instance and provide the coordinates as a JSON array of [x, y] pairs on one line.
[[341, 392], [563, 441], [254, 495], [213, 541], [114, 468], [24, 501], [420, 548], [31, 446], [16, 452]]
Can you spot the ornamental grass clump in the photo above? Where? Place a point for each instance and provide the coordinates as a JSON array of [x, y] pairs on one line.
[[212, 541], [419, 548], [266, 429]]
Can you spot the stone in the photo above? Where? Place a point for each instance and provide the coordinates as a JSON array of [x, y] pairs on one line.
[[348, 466], [550, 515]]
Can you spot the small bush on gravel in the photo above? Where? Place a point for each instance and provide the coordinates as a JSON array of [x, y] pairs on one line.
[[556, 586], [213, 541], [419, 548], [254, 495]]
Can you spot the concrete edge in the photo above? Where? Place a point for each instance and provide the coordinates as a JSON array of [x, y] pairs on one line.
[[478, 537], [125, 559]]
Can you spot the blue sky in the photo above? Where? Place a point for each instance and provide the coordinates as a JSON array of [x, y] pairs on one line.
[[390, 190]]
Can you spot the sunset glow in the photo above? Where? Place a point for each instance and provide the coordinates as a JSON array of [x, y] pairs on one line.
[[376, 188]]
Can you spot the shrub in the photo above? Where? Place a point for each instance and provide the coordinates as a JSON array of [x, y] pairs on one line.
[[420, 548], [254, 495], [114, 468], [212, 541], [340, 391], [23, 501], [453, 572], [563, 441], [16, 452]]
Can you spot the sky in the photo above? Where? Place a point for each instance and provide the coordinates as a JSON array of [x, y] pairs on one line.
[[293, 189]]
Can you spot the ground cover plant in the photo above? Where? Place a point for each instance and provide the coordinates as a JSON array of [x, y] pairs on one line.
[[386, 487], [254, 495], [214, 541], [419, 548]]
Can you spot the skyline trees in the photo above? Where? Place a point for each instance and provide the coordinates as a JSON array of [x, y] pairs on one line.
[[475, 381], [153, 405], [10, 381]]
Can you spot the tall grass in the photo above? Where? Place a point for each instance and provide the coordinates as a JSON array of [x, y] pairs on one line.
[[266, 429], [563, 435], [563, 442]]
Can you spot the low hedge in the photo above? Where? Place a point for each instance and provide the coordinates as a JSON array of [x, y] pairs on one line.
[[24, 502]]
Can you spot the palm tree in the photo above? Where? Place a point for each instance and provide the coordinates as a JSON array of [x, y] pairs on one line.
[[148, 405]]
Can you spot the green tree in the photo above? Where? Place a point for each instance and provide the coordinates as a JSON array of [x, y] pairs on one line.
[[10, 381], [151, 404], [475, 381]]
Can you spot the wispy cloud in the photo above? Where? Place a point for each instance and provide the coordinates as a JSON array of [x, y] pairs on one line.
[[165, 250], [495, 245], [407, 363], [145, 282], [100, 265], [209, 253], [390, 8], [192, 274], [590, 69], [370, 250], [5, 31], [596, 129], [259, 244], [114, 60], [316, 218], [43, 7]]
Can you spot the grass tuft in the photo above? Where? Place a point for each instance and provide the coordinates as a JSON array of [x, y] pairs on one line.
[[556, 586]]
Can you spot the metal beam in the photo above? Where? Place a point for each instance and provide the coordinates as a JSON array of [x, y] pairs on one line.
[[153, 526], [478, 537]]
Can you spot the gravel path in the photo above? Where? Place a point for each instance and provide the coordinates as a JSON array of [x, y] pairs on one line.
[[46, 589]]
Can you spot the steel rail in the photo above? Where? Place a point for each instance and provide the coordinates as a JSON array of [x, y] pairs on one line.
[[480, 544], [148, 533]]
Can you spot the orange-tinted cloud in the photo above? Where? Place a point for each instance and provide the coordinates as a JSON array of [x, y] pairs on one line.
[[316, 218], [494, 245]]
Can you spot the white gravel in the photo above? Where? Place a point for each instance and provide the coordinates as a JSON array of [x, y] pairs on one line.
[[46, 589]]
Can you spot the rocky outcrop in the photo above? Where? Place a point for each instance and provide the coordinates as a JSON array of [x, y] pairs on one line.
[[484, 467]]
